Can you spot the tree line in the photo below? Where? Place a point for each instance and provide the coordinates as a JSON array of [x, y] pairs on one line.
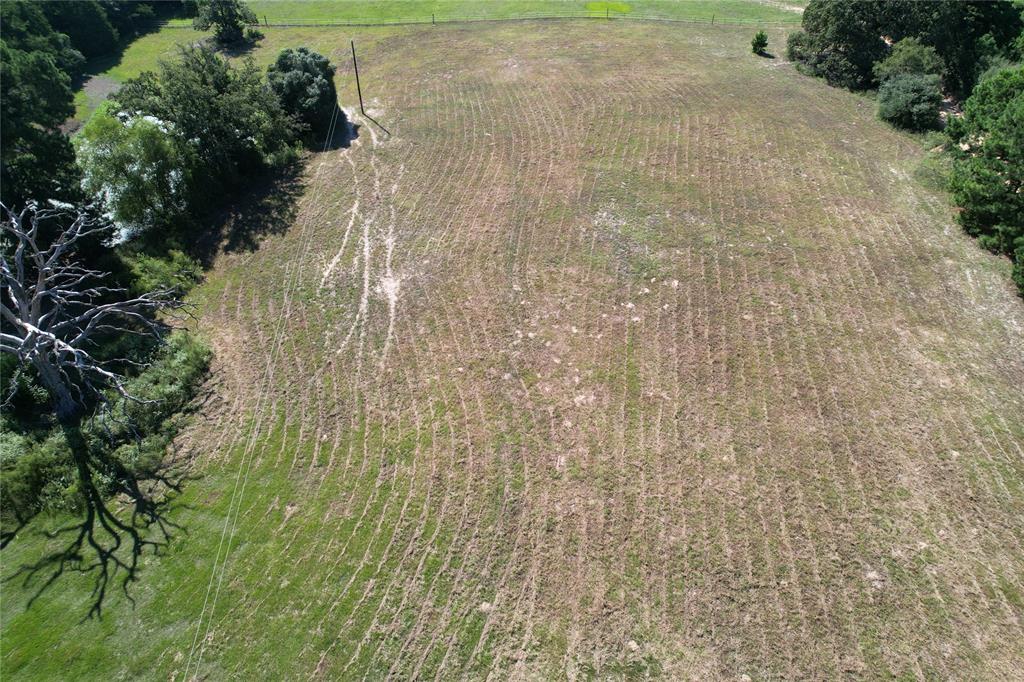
[[921, 55], [97, 250]]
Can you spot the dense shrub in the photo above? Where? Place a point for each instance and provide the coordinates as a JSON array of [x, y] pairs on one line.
[[988, 166], [760, 42], [839, 71], [798, 47], [304, 84], [173, 270], [909, 57], [996, 65], [36, 468], [910, 101]]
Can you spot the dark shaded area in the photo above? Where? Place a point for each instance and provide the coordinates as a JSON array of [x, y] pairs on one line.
[[766, 55], [267, 207], [100, 64], [239, 48], [341, 136], [7, 535]]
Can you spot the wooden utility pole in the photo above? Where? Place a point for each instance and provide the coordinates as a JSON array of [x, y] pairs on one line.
[[359, 89]]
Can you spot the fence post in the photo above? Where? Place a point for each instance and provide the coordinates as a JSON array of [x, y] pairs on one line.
[[607, 14], [712, 19], [432, 21], [265, 22]]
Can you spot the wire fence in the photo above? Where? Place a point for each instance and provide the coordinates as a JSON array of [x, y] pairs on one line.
[[403, 20]]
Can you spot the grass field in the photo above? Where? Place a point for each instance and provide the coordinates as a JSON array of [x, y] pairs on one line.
[[630, 354], [387, 11], [144, 53]]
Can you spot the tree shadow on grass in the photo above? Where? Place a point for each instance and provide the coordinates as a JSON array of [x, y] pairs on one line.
[[343, 134], [119, 524], [239, 48], [268, 207]]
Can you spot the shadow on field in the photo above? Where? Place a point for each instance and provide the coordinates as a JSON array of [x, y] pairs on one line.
[[237, 49], [343, 134], [123, 516], [268, 207]]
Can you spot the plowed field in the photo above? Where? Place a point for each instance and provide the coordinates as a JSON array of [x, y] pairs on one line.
[[627, 354]]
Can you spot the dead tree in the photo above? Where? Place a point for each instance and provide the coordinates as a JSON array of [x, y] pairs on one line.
[[53, 314]]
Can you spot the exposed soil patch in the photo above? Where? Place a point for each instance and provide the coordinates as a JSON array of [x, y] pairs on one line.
[[97, 89]]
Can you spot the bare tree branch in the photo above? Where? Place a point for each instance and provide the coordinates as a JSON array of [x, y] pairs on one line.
[[53, 312], [52, 317]]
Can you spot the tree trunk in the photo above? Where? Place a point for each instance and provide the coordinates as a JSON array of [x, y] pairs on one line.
[[64, 404]]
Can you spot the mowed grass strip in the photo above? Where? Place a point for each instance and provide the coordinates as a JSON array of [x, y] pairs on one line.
[[393, 11]]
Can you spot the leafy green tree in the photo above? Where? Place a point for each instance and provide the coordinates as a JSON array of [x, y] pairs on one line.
[[988, 167], [909, 56], [36, 159], [910, 101], [132, 165], [227, 123], [844, 40], [227, 18], [85, 22], [304, 84], [760, 42], [964, 33], [26, 28]]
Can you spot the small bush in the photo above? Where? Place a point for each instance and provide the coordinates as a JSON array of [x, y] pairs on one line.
[[910, 101], [760, 42], [909, 56]]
